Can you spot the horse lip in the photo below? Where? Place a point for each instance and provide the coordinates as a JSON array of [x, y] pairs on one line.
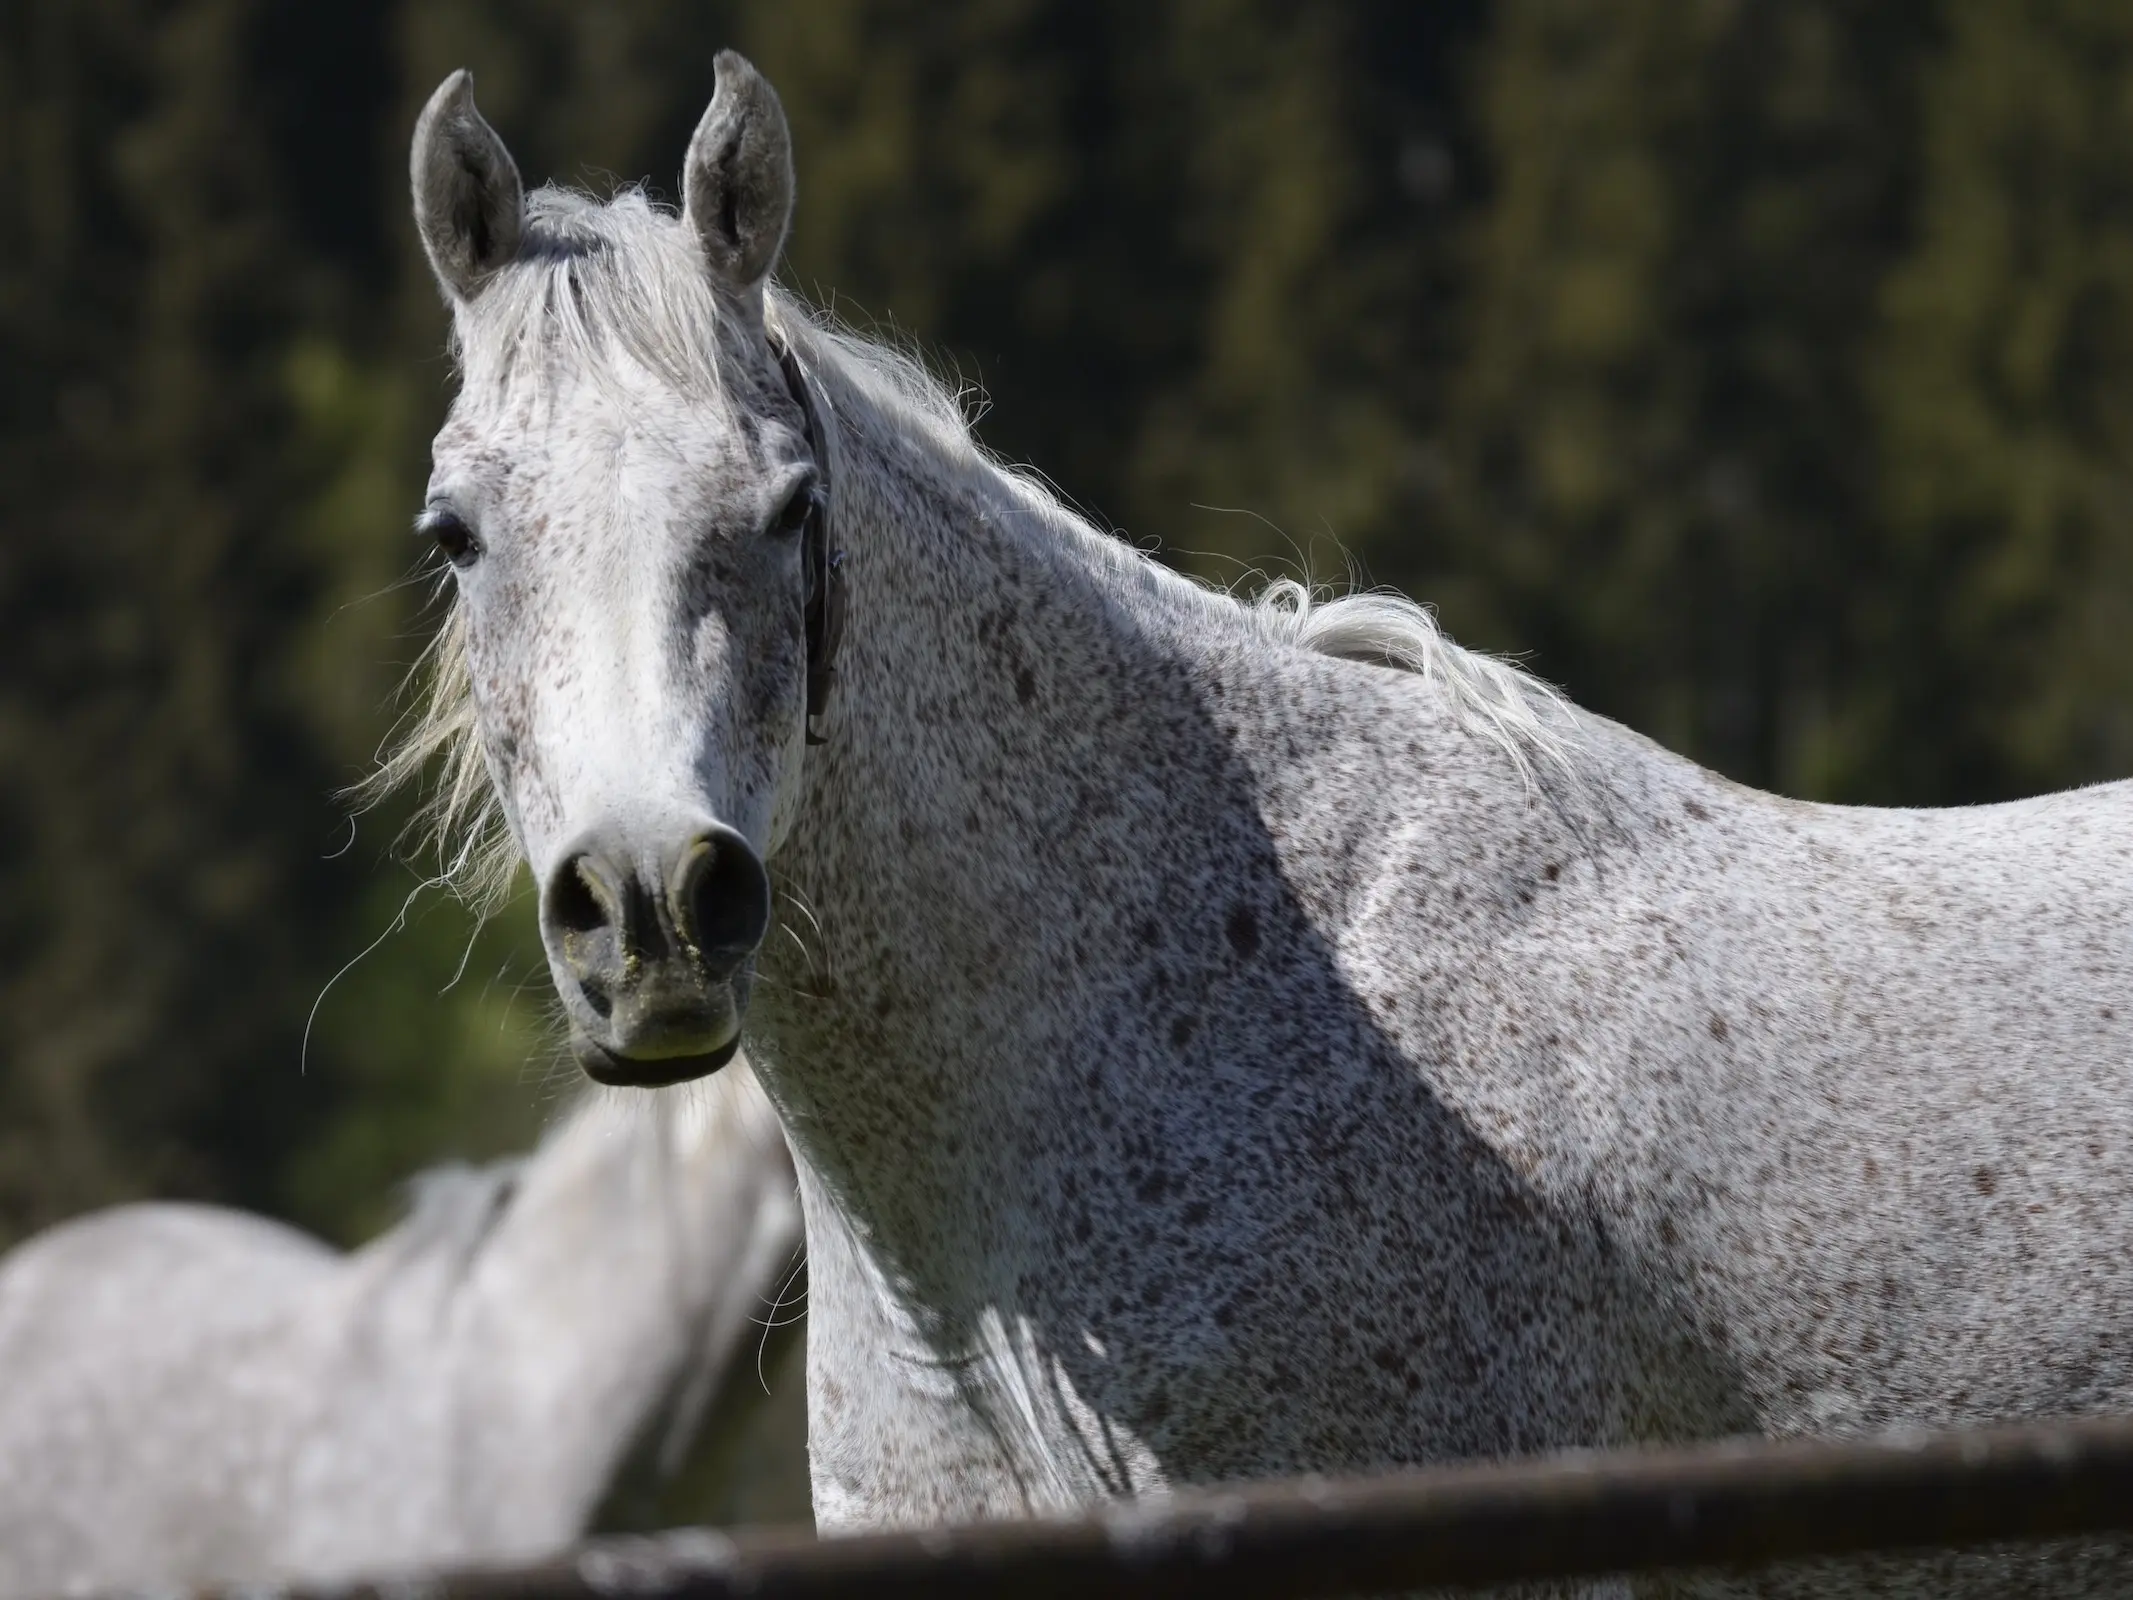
[[657, 1036], [603, 1065]]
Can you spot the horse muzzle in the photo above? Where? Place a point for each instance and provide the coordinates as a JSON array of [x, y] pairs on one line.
[[651, 935], [605, 1065]]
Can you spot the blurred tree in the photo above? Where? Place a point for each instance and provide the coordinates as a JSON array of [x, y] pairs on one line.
[[1996, 649], [1186, 257], [1657, 456], [174, 716], [1284, 394], [1752, 365], [157, 824]]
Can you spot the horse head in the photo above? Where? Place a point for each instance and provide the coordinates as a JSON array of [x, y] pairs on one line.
[[629, 493]]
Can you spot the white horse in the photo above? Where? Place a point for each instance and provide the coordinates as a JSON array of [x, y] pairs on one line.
[[193, 1395], [1285, 1041]]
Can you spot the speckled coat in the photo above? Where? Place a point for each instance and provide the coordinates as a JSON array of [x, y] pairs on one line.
[[1209, 1058]]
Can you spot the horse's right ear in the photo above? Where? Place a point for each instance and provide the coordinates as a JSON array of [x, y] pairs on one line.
[[469, 205], [737, 180]]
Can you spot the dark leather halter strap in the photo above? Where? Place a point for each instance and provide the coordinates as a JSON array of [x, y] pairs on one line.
[[824, 566]]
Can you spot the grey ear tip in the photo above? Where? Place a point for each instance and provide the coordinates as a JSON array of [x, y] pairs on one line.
[[731, 69], [454, 98], [469, 207]]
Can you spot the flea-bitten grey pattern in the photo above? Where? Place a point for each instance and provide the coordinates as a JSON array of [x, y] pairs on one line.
[[196, 1396], [1224, 1040]]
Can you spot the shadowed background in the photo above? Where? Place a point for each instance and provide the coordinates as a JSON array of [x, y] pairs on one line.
[[1761, 370]]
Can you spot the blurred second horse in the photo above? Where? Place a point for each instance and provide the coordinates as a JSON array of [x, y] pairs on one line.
[[196, 1395]]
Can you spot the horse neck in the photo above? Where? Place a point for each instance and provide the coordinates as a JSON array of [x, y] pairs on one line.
[[638, 1242], [1052, 832], [605, 1209]]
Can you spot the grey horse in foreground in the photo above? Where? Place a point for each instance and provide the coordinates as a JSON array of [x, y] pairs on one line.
[[194, 1395], [1287, 1042]]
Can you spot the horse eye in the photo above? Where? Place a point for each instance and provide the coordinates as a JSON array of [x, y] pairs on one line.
[[453, 537], [799, 506]]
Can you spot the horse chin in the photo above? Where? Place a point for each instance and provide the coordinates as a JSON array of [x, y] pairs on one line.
[[603, 1065]]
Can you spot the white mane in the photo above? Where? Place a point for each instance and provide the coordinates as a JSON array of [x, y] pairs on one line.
[[595, 280]]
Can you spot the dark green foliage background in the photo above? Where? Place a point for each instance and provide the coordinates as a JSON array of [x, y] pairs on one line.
[[1763, 369]]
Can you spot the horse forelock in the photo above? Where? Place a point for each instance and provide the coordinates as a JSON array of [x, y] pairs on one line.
[[598, 282], [595, 284]]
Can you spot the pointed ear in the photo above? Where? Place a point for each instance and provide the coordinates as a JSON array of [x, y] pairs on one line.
[[737, 183], [469, 205]]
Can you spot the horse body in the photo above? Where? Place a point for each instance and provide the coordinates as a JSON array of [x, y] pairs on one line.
[[1349, 1098], [1274, 1062], [196, 1395]]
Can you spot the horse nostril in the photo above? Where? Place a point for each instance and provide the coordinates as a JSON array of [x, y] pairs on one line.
[[581, 921], [575, 903], [720, 897]]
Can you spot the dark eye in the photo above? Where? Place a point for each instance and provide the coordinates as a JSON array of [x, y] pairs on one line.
[[451, 534], [799, 506]]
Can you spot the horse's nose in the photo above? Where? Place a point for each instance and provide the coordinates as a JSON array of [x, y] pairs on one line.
[[719, 897], [651, 941]]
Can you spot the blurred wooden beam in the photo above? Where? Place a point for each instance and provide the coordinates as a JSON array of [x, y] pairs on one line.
[[1742, 1504]]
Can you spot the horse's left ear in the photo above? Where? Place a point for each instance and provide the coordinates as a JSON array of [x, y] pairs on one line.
[[737, 184]]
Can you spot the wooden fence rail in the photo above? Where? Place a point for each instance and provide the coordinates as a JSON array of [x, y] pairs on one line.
[[1731, 1505]]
